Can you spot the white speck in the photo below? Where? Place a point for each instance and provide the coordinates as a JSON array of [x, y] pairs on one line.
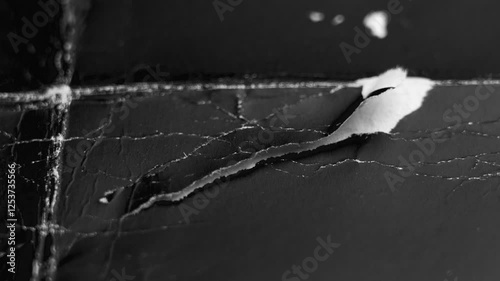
[[338, 19], [316, 16], [104, 200], [377, 22]]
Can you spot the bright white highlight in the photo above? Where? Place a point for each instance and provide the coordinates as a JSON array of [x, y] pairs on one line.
[[389, 79], [377, 22], [316, 16]]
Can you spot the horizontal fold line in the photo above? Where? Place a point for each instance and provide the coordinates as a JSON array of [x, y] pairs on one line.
[[149, 88]]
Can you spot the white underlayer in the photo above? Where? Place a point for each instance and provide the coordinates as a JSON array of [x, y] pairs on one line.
[[376, 114]]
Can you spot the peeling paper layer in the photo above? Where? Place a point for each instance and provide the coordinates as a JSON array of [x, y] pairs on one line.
[[383, 112], [377, 114], [389, 79]]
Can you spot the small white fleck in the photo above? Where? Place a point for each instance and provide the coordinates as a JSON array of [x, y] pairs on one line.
[[338, 19], [377, 22], [104, 200], [316, 16]]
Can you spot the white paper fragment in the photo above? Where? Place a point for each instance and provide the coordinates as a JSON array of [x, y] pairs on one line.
[[377, 22], [383, 112], [376, 114], [389, 79]]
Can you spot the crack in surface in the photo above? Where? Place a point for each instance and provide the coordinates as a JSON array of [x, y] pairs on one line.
[[50, 227]]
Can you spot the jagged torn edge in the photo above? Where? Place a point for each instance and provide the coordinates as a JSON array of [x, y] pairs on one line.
[[377, 114]]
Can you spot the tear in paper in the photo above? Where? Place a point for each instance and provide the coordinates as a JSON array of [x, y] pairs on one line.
[[375, 114]]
